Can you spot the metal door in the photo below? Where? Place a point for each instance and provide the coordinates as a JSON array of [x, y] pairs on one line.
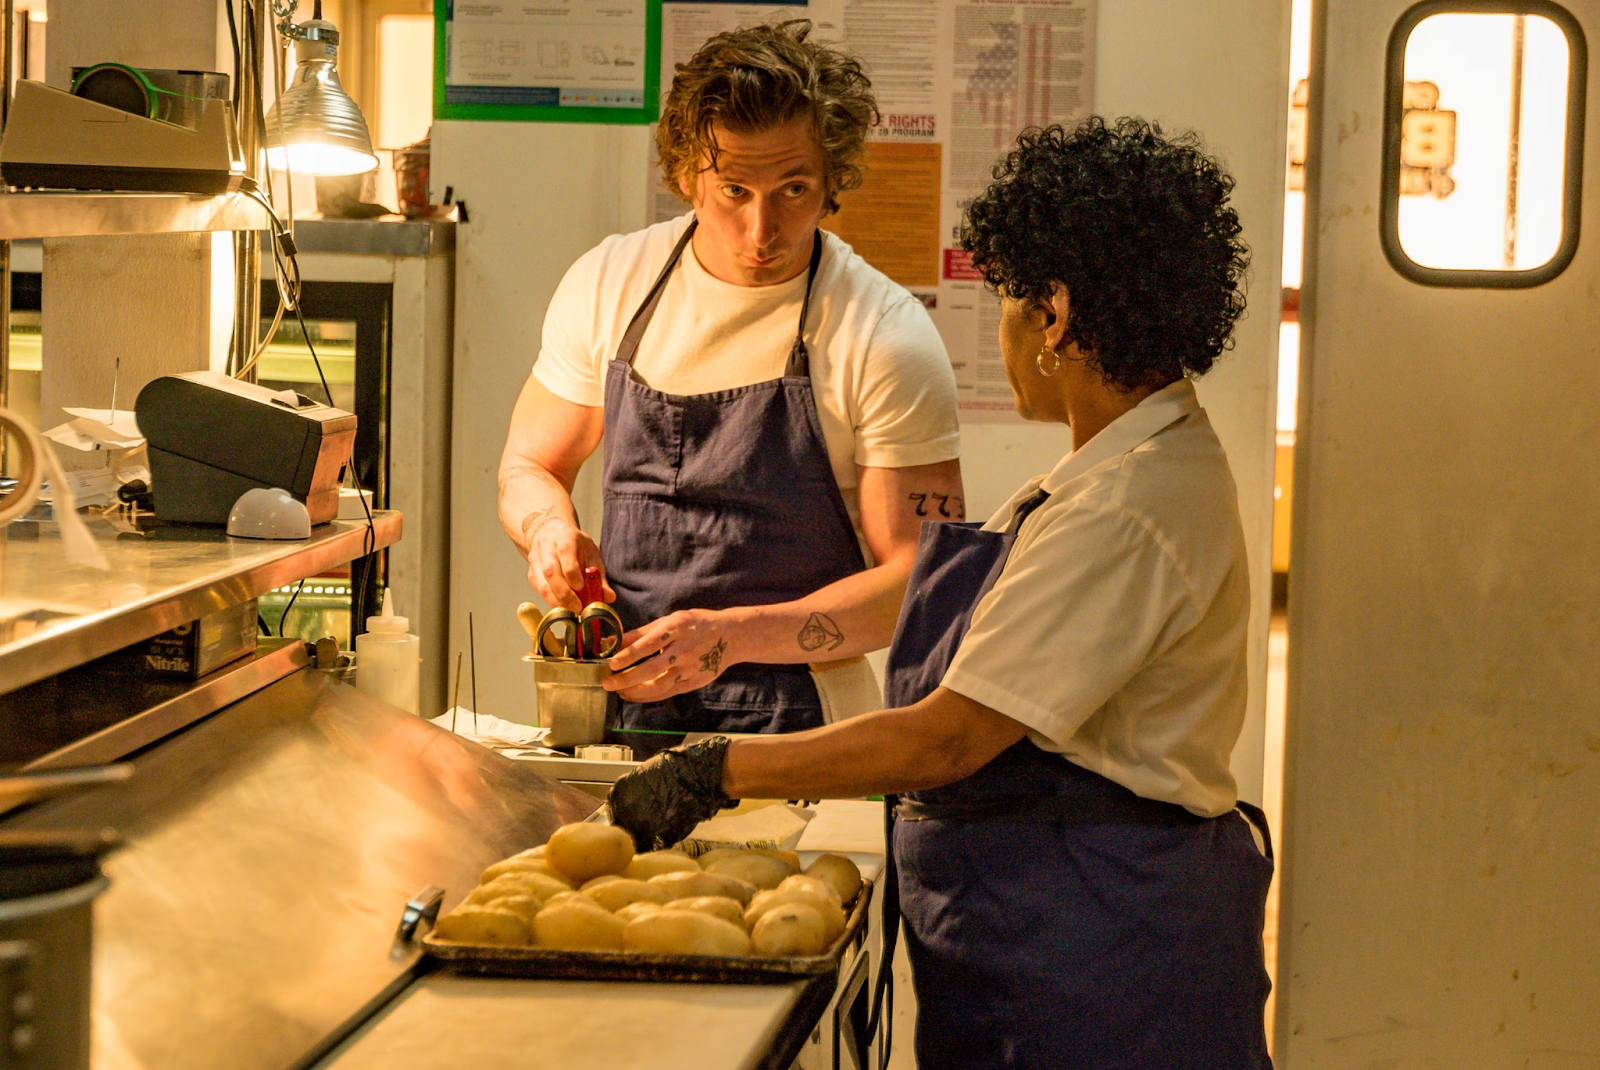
[[1442, 779]]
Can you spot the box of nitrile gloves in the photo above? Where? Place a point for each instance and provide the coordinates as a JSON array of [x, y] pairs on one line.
[[192, 650]]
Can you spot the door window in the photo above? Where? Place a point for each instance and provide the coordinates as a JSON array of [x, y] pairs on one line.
[[1483, 151]]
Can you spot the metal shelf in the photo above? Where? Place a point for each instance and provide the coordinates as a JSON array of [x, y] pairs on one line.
[[74, 215], [55, 616]]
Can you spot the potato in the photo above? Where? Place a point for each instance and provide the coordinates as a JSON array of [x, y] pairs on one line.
[[638, 910], [788, 858], [839, 871], [482, 925], [655, 863], [687, 885], [718, 906], [732, 887], [584, 851], [524, 882], [616, 894], [571, 897], [523, 906], [789, 929], [573, 926], [832, 916], [604, 878], [684, 932], [759, 871], [821, 887], [522, 865]]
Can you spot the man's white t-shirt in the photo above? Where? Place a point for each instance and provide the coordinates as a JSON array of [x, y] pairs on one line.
[[885, 392], [1117, 631]]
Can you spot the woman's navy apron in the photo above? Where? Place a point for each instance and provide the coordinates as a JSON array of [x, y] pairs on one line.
[[1053, 918], [718, 500]]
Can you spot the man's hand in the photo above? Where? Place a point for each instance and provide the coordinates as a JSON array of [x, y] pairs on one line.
[[671, 655], [548, 442], [558, 552], [662, 801]]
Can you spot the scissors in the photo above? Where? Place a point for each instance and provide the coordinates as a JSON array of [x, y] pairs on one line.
[[592, 635]]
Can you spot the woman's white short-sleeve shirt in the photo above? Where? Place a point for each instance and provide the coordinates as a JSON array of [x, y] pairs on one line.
[[1117, 631], [884, 387]]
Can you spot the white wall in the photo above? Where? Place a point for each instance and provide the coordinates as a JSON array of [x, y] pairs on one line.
[[540, 195], [173, 34]]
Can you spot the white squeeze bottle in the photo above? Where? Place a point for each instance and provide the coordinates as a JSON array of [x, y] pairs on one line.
[[388, 658]]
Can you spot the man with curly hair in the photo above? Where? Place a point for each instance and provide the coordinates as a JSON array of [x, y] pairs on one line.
[[1080, 884], [770, 404]]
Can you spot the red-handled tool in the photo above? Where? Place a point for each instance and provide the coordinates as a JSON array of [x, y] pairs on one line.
[[592, 593]]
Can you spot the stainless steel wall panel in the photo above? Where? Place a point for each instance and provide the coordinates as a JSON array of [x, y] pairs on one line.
[[270, 851]]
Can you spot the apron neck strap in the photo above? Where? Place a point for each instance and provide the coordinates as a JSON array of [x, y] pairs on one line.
[[1025, 509], [799, 366], [629, 346]]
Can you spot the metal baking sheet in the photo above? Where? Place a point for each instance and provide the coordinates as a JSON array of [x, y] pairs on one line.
[[544, 962]]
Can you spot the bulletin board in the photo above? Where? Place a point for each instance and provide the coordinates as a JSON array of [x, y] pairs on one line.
[[585, 61]]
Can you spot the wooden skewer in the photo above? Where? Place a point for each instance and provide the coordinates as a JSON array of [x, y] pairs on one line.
[[472, 654], [455, 703]]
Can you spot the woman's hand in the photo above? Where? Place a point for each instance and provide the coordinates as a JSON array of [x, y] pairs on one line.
[[671, 655], [558, 552], [662, 801]]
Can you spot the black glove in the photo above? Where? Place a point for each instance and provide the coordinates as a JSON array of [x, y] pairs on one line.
[[662, 801]]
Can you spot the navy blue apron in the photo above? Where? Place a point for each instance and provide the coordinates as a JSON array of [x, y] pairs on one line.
[[1053, 918], [719, 500]]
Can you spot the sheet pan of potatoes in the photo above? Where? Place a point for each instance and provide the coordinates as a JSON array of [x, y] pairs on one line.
[[586, 906]]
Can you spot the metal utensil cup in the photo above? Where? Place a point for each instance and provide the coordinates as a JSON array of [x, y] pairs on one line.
[[572, 701]]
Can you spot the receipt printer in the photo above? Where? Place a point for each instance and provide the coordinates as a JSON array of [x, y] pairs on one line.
[[212, 437]]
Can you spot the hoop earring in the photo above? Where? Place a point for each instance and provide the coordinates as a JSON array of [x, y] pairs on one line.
[[1039, 362]]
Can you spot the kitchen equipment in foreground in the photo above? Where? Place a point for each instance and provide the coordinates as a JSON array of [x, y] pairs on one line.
[[48, 884]]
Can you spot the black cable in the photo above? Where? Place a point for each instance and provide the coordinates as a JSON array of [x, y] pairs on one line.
[[369, 543], [283, 619], [233, 36], [306, 332], [261, 624]]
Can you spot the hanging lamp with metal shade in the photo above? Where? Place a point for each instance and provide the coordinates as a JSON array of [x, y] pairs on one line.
[[315, 128]]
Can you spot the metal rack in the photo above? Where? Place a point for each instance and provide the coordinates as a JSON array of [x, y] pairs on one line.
[[167, 577], [76, 215]]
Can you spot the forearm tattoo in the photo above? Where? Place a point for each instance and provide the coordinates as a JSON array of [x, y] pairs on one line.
[[526, 470], [945, 506], [711, 660], [820, 631], [535, 521]]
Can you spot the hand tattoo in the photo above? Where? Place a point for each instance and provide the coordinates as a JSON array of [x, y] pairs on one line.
[[820, 631], [711, 660]]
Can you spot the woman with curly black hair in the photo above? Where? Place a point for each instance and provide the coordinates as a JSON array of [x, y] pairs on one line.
[[1080, 884]]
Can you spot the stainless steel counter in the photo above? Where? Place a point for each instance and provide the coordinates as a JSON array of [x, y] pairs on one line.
[[55, 616]]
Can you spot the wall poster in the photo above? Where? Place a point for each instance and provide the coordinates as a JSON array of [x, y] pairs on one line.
[[956, 81], [567, 61]]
